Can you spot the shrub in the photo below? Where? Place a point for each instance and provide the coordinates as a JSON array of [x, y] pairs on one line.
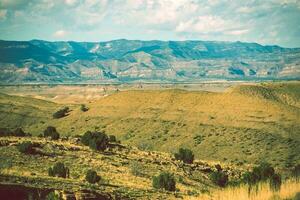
[[61, 113], [59, 170], [263, 171], [18, 132], [112, 138], [53, 196], [249, 178], [26, 147], [296, 172], [275, 182], [95, 140], [164, 181], [186, 155], [51, 131], [83, 108], [92, 177], [136, 169], [219, 178]]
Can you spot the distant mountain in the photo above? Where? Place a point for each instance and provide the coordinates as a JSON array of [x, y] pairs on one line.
[[39, 61]]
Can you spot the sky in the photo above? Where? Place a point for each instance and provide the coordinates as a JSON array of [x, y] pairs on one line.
[[263, 21]]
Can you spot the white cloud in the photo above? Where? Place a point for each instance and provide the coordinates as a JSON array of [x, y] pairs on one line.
[[237, 32], [60, 33], [204, 24], [70, 2]]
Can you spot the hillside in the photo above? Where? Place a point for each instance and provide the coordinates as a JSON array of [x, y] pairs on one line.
[[39, 61], [245, 124], [126, 173]]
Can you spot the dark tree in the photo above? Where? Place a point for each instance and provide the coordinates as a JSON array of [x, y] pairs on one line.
[[51, 132], [275, 182], [219, 178], [26, 147], [186, 155], [95, 140], [92, 177], [112, 138], [61, 113], [83, 108], [59, 170], [165, 181]]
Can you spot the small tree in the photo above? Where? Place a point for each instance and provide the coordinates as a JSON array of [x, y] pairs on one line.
[[83, 108], [263, 171], [92, 177], [59, 170], [26, 147], [165, 181], [219, 178], [296, 172], [51, 132], [186, 155], [19, 132], [136, 169], [61, 113], [275, 182], [95, 140], [112, 138]]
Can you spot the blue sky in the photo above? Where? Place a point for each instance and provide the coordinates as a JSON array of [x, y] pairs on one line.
[[265, 22]]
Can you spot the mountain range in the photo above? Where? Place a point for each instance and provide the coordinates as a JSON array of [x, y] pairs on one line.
[[38, 61]]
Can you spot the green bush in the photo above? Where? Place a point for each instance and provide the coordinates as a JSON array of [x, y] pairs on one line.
[[59, 170], [61, 113], [95, 140], [26, 147], [296, 172], [18, 132], [51, 132], [186, 155], [263, 171], [275, 182], [165, 181], [83, 108], [219, 178], [112, 138], [92, 177], [53, 196], [137, 169]]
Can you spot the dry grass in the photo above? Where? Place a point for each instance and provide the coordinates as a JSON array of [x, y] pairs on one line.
[[288, 190]]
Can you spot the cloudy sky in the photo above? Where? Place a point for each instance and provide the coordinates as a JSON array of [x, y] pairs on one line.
[[264, 21]]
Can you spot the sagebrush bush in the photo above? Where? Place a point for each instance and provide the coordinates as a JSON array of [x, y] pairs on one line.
[[259, 173], [18, 132], [186, 155], [219, 178], [165, 181], [59, 170], [92, 177], [83, 108], [53, 196], [275, 182], [296, 172], [112, 138], [61, 113], [136, 169], [26, 147], [95, 140], [51, 132]]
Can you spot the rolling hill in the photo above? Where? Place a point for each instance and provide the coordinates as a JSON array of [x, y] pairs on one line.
[[246, 124], [39, 61]]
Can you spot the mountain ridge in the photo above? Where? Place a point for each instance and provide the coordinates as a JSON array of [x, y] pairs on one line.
[[39, 61]]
